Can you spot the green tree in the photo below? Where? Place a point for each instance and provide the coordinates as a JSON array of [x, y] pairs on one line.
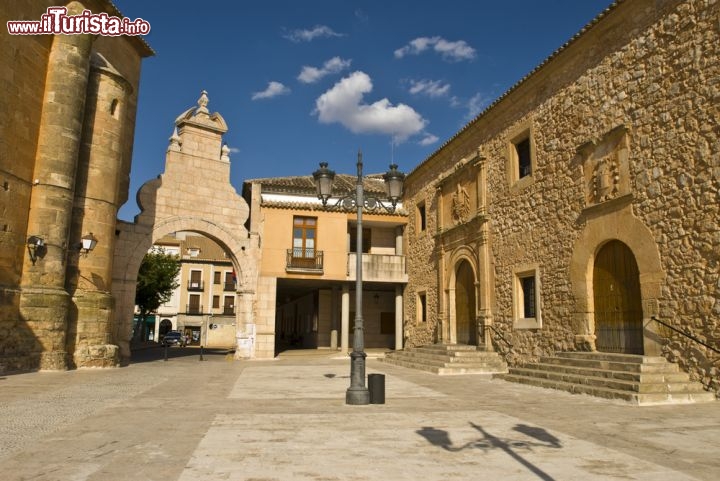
[[156, 281]]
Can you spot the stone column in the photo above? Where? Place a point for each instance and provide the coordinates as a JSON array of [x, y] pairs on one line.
[[399, 240], [44, 302], [244, 327], [398, 317], [89, 275], [485, 292], [334, 318], [345, 319]]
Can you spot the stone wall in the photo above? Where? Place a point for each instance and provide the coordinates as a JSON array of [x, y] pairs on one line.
[[636, 88], [55, 139]]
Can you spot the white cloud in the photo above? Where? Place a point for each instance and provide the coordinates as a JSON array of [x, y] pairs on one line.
[[431, 88], [343, 104], [273, 90], [307, 35], [234, 150], [428, 139], [475, 105], [451, 51], [310, 75]]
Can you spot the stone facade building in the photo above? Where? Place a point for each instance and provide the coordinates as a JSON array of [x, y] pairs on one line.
[[582, 206], [66, 136]]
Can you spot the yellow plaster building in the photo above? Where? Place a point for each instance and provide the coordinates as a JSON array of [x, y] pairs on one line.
[[306, 275]]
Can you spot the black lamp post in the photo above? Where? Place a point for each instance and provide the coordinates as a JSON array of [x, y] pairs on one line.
[[358, 393]]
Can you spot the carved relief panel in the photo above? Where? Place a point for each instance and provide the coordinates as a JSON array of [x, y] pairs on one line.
[[606, 172]]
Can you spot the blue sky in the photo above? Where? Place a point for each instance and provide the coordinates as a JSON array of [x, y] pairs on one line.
[[304, 82]]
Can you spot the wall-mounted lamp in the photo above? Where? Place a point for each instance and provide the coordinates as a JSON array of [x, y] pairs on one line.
[[35, 245], [88, 243]]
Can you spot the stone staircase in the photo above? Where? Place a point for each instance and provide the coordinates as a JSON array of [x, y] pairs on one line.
[[641, 380], [448, 359]]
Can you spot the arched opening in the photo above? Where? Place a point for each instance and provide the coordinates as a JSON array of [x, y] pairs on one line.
[[165, 327], [465, 305], [617, 300]]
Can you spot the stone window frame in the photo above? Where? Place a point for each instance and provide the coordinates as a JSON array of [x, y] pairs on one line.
[[523, 131], [519, 320], [421, 212], [421, 307]]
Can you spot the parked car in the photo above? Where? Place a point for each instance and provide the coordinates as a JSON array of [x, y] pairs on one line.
[[173, 338]]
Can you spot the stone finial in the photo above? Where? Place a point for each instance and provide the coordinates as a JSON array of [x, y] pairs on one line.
[[174, 142], [202, 104], [225, 153]]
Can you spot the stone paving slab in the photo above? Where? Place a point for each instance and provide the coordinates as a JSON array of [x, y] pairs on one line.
[[392, 446], [286, 420], [331, 381]]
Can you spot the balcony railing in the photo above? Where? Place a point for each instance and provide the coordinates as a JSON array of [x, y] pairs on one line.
[[228, 311], [304, 260], [195, 286], [378, 267], [229, 286], [193, 309]]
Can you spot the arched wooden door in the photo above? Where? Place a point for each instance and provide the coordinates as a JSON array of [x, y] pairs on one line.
[[465, 304], [618, 308]]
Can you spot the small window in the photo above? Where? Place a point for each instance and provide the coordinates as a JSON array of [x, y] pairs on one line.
[[527, 284], [521, 162], [217, 277], [422, 308], [421, 217], [522, 151], [193, 252], [216, 302], [113, 107], [526, 302]]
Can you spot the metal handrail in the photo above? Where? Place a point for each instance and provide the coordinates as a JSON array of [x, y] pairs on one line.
[[692, 338], [496, 331]]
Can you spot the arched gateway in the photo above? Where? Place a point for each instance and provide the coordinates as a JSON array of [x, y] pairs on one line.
[[617, 279], [193, 194]]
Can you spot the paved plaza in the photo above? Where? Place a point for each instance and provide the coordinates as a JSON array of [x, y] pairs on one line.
[[286, 420]]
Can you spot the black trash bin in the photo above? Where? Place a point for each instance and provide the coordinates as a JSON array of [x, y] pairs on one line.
[[376, 386]]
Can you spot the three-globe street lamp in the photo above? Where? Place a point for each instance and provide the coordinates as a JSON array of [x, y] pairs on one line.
[[358, 393]]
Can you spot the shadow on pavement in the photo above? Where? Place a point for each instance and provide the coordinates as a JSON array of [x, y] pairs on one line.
[[488, 442]]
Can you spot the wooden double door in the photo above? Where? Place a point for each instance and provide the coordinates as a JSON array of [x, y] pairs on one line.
[[618, 307], [465, 304]]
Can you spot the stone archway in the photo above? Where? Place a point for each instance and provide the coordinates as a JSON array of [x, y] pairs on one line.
[[620, 225], [461, 289], [193, 194]]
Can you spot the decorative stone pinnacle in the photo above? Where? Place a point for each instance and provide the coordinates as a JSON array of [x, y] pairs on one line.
[[225, 153], [202, 103], [174, 141]]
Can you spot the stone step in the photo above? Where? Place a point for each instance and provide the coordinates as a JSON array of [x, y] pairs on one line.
[[487, 370], [609, 356], [448, 360], [657, 377], [472, 356], [642, 399], [602, 363], [440, 363], [682, 386]]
